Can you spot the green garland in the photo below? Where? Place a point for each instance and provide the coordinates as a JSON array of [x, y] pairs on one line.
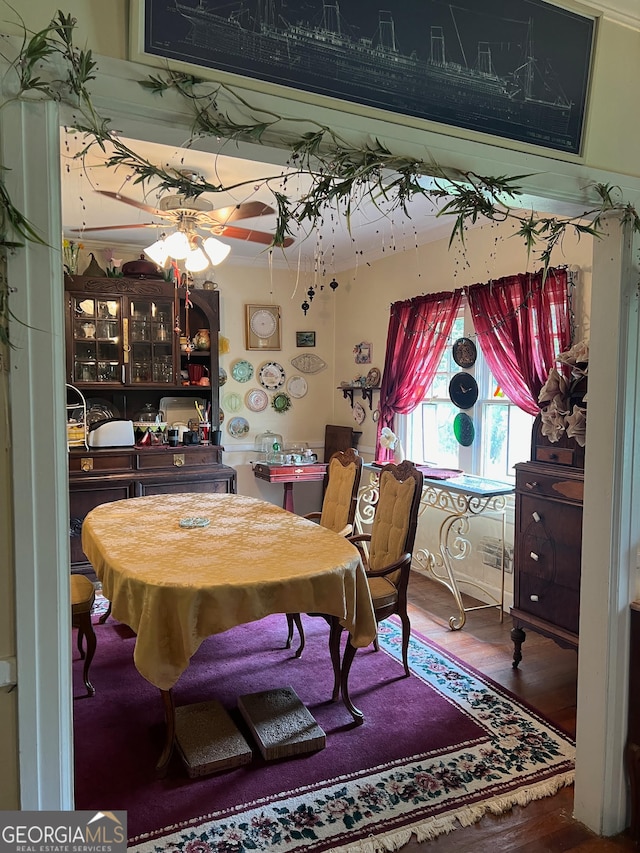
[[340, 173]]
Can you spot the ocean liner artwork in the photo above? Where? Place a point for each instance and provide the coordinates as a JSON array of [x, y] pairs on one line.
[[470, 66]]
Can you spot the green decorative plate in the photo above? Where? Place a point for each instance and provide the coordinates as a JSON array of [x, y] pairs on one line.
[[463, 429], [281, 402]]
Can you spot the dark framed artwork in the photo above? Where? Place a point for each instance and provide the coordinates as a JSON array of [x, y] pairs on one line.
[[517, 69], [305, 339]]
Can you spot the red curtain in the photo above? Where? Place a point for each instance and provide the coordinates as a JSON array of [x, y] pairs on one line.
[[522, 322], [419, 331]]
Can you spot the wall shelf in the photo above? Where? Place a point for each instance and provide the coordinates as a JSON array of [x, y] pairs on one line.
[[366, 390]]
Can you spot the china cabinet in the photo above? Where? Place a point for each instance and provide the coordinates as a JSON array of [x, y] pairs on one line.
[[123, 355], [121, 334], [548, 542]]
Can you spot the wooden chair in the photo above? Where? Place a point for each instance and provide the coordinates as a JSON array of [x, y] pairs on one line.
[[338, 511], [83, 595], [388, 561]]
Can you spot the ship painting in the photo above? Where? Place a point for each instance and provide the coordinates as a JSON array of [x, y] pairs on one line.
[[487, 78]]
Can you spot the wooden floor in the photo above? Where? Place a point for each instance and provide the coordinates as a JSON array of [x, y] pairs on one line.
[[546, 679]]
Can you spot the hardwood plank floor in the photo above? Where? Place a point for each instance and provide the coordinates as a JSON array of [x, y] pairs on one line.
[[547, 680]]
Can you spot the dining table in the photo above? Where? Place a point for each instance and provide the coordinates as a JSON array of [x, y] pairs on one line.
[[178, 568]]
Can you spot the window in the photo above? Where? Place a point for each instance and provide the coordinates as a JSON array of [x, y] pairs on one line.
[[502, 430]]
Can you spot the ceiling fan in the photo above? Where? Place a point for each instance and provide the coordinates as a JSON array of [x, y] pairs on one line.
[[193, 214]]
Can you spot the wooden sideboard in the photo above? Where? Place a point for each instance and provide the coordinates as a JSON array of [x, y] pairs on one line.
[[548, 542], [101, 476]]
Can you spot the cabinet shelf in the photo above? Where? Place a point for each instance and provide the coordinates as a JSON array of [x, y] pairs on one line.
[[366, 391]]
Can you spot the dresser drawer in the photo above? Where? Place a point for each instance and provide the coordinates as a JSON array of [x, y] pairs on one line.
[[556, 604], [549, 541], [100, 462], [161, 458], [550, 485]]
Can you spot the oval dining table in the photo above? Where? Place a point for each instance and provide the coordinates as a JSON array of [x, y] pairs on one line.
[[175, 582]]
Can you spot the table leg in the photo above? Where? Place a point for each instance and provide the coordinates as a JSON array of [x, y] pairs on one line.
[[170, 732], [349, 654], [287, 503]]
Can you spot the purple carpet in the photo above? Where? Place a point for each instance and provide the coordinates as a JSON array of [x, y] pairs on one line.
[[441, 746]]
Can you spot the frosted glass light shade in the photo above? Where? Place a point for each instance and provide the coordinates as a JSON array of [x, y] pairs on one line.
[[158, 252], [177, 245], [196, 261], [216, 250]]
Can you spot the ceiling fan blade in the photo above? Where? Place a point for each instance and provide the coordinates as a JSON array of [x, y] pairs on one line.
[[246, 210], [247, 234], [118, 227], [140, 205]]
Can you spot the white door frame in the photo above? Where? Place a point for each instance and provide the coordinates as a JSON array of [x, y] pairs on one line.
[[40, 500]]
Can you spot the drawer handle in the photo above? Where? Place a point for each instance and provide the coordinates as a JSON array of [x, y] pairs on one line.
[[535, 516], [298, 470], [533, 485], [534, 556], [178, 459], [553, 456], [86, 464], [534, 598]]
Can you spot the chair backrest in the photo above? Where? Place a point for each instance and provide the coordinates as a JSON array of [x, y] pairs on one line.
[[340, 498], [394, 525]]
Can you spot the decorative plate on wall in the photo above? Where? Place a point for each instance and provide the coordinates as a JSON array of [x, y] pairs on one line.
[[238, 427], [222, 376], [463, 429], [272, 375], [308, 363], [232, 402], [359, 413], [464, 352], [242, 371], [257, 400], [297, 387], [281, 403]]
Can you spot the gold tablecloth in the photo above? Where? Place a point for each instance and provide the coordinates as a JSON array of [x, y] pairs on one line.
[[175, 586]]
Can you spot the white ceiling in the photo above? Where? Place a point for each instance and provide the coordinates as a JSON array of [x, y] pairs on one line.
[[333, 247]]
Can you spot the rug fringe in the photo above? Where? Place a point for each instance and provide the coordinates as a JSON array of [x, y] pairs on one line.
[[430, 829]]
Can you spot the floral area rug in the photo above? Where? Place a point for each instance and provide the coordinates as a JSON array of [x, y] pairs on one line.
[[496, 753]]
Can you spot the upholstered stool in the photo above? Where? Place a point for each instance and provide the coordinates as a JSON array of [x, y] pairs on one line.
[[83, 595]]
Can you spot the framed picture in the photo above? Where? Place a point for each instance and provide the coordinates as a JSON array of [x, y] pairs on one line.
[[262, 327], [305, 339], [517, 69], [362, 352]]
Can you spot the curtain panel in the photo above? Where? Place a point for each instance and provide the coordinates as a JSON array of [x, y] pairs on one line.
[[522, 322], [419, 331]]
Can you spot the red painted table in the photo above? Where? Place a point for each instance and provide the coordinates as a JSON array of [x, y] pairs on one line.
[[288, 475]]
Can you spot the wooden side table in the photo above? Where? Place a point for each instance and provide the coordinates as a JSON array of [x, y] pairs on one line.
[[288, 475]]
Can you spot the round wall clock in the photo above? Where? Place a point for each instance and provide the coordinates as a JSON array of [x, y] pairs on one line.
[[463, 390], [464, 352], [263, 323]]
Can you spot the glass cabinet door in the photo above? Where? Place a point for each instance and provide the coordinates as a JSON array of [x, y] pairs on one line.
[[150, 341], [97, 339]]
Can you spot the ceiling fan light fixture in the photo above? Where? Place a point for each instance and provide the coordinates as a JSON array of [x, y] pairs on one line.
[[177, 245], [216, 250], [158, 252], [196, 260]]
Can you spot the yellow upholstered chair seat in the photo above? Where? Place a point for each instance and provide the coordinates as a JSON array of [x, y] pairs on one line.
[[383, 592]]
